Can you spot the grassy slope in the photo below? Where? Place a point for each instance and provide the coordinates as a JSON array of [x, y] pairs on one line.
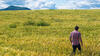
[[53, 40]]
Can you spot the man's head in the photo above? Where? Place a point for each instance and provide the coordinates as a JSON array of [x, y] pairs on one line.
[[76, 27]]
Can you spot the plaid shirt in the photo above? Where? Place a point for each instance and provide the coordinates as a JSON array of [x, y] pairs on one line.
[[75, 36]]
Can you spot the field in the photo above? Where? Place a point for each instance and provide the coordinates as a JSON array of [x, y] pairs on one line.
[[46, 32]]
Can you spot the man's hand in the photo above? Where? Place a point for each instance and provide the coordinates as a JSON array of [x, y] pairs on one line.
[[81, 44]]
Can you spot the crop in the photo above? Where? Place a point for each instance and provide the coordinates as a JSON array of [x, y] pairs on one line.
[[46, 32]]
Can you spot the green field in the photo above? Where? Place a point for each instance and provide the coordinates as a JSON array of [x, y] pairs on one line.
[[46, 32]]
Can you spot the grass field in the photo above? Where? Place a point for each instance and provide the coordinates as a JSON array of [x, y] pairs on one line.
[[46, 32]]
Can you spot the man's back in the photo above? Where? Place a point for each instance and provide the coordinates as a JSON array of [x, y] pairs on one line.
[[75, 35]]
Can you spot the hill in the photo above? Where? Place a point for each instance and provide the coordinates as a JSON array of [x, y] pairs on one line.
[[15, 8], [46, 32]]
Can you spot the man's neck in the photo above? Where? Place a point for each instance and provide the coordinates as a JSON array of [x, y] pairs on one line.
[[75, 30]]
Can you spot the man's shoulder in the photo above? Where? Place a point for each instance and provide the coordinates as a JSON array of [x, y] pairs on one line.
[[72, 32], [78, 32], [75, 32]]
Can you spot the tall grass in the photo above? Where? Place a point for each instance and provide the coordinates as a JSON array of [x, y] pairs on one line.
[[46, 32]]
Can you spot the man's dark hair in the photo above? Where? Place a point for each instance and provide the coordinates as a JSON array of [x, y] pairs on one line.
[[76, 27]]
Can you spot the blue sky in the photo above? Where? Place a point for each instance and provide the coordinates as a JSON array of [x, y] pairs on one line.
[[52, 4]]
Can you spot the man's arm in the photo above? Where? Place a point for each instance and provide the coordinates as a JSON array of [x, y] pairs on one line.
[[70, 37], [80, 39]]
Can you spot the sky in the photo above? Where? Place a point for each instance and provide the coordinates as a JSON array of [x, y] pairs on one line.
[[52, 4]]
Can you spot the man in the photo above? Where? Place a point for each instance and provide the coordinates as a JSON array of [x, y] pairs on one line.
[[75, 39]]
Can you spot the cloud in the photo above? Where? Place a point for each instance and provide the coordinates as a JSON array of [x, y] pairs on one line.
[[79, 4], [75, 4], [52, 4], [95, 8], [2, 4], [40, 4], [15, 2], [6, 3], [32, 4]]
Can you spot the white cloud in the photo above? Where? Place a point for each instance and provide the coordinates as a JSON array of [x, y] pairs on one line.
[[2, 4], [74, 4], [32, 4], [39, 4], [50, 4], [79, 4], [98, 0], [95, 8], [62, 7]]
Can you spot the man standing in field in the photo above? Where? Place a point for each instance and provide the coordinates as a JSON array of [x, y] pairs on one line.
[[75, 39]]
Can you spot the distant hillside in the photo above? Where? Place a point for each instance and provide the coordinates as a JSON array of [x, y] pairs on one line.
[[15, 8]]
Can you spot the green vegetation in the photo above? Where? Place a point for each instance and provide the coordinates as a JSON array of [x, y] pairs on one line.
[[46, 32]]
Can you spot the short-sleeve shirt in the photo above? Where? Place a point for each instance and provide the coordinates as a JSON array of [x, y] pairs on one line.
[[75, 35]]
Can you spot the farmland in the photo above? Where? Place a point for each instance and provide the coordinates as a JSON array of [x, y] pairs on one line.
[[46, 32]]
